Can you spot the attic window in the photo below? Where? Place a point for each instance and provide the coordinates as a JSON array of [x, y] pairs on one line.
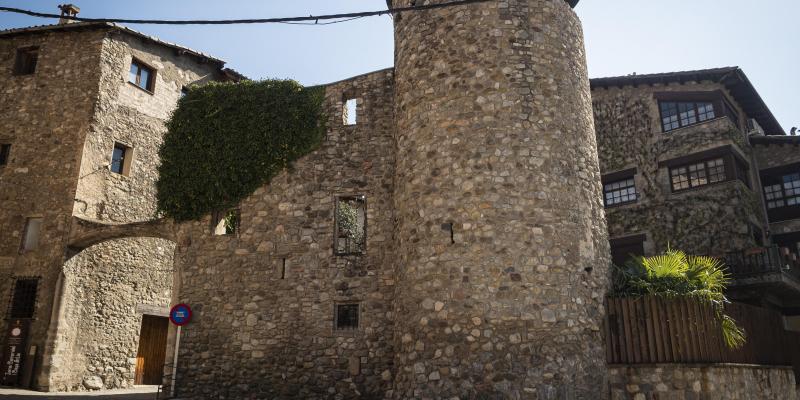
[[142, 76], [227, 222], [350, 111], [27, 57], [121, 158], [350, 233]]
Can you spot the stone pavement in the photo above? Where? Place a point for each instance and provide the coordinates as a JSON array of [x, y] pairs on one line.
[[137, 393]]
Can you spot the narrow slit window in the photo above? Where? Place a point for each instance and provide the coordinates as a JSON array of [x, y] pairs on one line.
[[227, 223], [346, 317], [283, 268], [350, 112], [23, 302], [5, 151], [30, 239], [141, 75], [26, 61], [350, 236], [121, 158]]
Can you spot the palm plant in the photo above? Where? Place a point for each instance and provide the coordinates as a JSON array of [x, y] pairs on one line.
[[676, 274]]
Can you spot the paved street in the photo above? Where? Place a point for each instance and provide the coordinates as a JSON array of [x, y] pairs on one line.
[[139, 393]]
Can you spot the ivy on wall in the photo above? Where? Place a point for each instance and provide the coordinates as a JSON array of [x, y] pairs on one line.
[[225, 140]]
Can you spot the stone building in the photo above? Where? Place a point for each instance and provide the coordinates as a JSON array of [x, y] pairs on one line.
[[82, 116], [447, 240], [695, 160]]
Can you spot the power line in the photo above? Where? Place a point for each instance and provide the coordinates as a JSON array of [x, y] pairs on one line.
[[316, 19]]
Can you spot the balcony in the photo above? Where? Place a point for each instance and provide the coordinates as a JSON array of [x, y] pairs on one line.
[[768, 276]]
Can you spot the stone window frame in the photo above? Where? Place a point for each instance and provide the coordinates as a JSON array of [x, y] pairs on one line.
[[23, 245], [349, 97], [359, 317], [218, 223], [615, 178], [24, 63], [721, 108], [729, 170], [339, 198], [150, 87], [13, 297], [127, 158], [5, 153]]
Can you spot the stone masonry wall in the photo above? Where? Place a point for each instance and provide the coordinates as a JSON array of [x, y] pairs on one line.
[[89, 350], [99, 333], [709, 220], [45, 117], [271, 335], [502, 246], [712, 382]]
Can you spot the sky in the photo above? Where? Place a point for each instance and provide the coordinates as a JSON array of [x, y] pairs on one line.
[[622, 36]]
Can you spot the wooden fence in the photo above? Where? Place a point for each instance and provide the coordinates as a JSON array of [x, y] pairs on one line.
[[650, 330]]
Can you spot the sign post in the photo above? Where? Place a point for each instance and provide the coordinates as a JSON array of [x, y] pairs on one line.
[[14, 352]]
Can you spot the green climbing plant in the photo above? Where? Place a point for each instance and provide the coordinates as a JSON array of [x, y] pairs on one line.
[[225, 140]]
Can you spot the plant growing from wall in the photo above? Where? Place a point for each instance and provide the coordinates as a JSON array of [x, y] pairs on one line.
[[674, 274], [225, 140]]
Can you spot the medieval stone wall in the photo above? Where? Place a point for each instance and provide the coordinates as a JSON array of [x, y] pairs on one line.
[[707, 382], [134, 117], [268, 332], [96, 342], [44, 116], [105, 289], [502, 246], [708, 220]]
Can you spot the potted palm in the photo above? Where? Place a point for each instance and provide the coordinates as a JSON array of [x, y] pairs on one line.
[[675, 274]]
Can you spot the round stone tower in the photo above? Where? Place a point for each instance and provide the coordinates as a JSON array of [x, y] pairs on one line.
[[502, 248]]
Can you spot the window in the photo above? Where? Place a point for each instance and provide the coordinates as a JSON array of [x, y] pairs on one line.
[[5, 150], [623, 249], [121, 159], [23, 302], [785, 193], [346, 318], [27, 57], [227, 223], [350, 231], [620, 192], [141, 75], [30, 238], [698, 174], [676, 115], [350, 112]]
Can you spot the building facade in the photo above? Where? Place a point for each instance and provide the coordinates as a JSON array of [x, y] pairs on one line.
[[449, 238], [695, 161], [83, 114]]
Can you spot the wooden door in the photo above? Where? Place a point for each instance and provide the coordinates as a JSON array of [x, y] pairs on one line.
[[152, 350]]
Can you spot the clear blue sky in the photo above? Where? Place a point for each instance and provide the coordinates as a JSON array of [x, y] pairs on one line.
[[622, 36]]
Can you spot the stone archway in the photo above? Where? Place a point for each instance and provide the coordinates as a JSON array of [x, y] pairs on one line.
[[113, 275]]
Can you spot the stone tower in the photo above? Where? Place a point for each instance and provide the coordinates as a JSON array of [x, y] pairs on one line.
[[502, 248]]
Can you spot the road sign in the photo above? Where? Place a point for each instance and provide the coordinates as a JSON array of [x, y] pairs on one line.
[[180, 314]]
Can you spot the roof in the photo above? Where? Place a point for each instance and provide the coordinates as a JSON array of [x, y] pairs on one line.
[[779, 140], [733, 78], [110, 26]]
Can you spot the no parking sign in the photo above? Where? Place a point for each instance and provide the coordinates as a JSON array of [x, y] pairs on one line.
[[180, 314]]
